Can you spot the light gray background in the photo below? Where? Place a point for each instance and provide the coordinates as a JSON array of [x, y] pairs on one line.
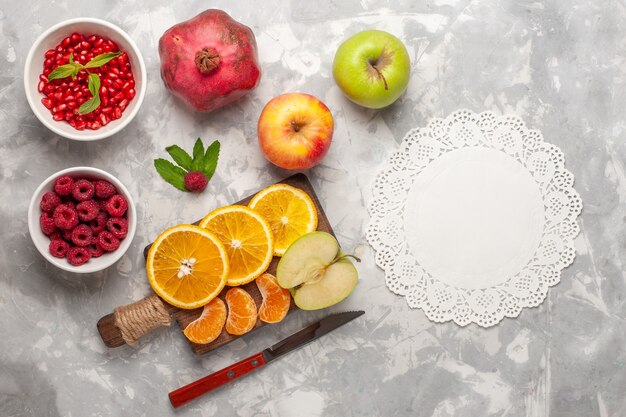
[[560, 65]]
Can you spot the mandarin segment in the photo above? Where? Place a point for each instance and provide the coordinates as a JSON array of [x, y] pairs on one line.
[[289, 211], [209, 325], [187, 266], [276, 300], [242, 313], [247, 238]]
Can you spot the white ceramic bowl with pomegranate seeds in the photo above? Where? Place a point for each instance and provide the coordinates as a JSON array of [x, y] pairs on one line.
[[35, 65], [42, 242]]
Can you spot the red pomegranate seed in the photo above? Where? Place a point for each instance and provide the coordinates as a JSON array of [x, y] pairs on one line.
[[122, 105], [130, 93], [46, 102], [58, 116], [69, 98], [106, 110], [72, 105], [50, 53], [92, 38], [117, 113], [40, 86], [66, 42], [80, 125], [75, 37]]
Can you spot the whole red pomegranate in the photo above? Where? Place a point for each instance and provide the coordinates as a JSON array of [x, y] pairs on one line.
[[210, 60]]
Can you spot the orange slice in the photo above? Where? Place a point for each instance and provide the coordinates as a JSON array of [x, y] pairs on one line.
[[289, 211], [241, 312], [209, 325], [247, 238], [187, 266], [276, 299]]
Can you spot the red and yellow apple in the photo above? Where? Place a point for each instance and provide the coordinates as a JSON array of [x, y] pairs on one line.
[[295, 130]]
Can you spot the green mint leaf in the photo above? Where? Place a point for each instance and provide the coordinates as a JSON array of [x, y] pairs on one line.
[[93, 103], [179, 156], [171, 173], [63, 71], [198, 156], [89, 105], [100, 60], [210, 159], [94, 84], [71, 57]]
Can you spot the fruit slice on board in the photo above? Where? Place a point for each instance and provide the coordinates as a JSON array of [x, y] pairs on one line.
[[241, 312], [276, 299], [187, 266], [316, 272], [289, 211], [209, 325], [247, 238]]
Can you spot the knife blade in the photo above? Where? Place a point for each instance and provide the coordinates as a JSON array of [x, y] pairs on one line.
[[303, 337]]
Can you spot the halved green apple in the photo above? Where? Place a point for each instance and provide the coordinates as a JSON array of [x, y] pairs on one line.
[[316, 272]]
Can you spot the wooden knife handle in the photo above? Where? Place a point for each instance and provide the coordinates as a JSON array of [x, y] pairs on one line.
[[215, 380]]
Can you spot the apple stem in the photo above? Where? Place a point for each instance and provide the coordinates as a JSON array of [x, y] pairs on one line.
[[380, 74], [295, 126], [344, 256]]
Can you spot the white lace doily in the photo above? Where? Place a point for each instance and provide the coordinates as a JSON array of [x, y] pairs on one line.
[[473, 218]]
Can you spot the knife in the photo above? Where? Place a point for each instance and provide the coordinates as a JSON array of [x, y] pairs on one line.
[[297, 340]]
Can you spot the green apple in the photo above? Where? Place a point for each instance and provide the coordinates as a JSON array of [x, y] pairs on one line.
[[372, 68], [316, 272]]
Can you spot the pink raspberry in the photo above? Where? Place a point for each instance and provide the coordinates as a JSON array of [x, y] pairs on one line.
[[100, 223], [77, 255], [95, 249], [48, 227], [63, 185], [65, 217], [102, 204], [55, 236], [70, 204], [83, 190], [108, 242], [49, 202], [195, 181], [118, 227], [105, 189], [58, 248], [116, 206], [81, 235], [87, 210]]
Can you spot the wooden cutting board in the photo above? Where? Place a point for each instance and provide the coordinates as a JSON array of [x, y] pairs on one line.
[[111, 334]]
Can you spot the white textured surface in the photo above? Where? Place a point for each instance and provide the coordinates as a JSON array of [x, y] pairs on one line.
[[560, 65]]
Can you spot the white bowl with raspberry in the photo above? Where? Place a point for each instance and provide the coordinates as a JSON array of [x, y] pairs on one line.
[[58, 103], [82, 219]]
